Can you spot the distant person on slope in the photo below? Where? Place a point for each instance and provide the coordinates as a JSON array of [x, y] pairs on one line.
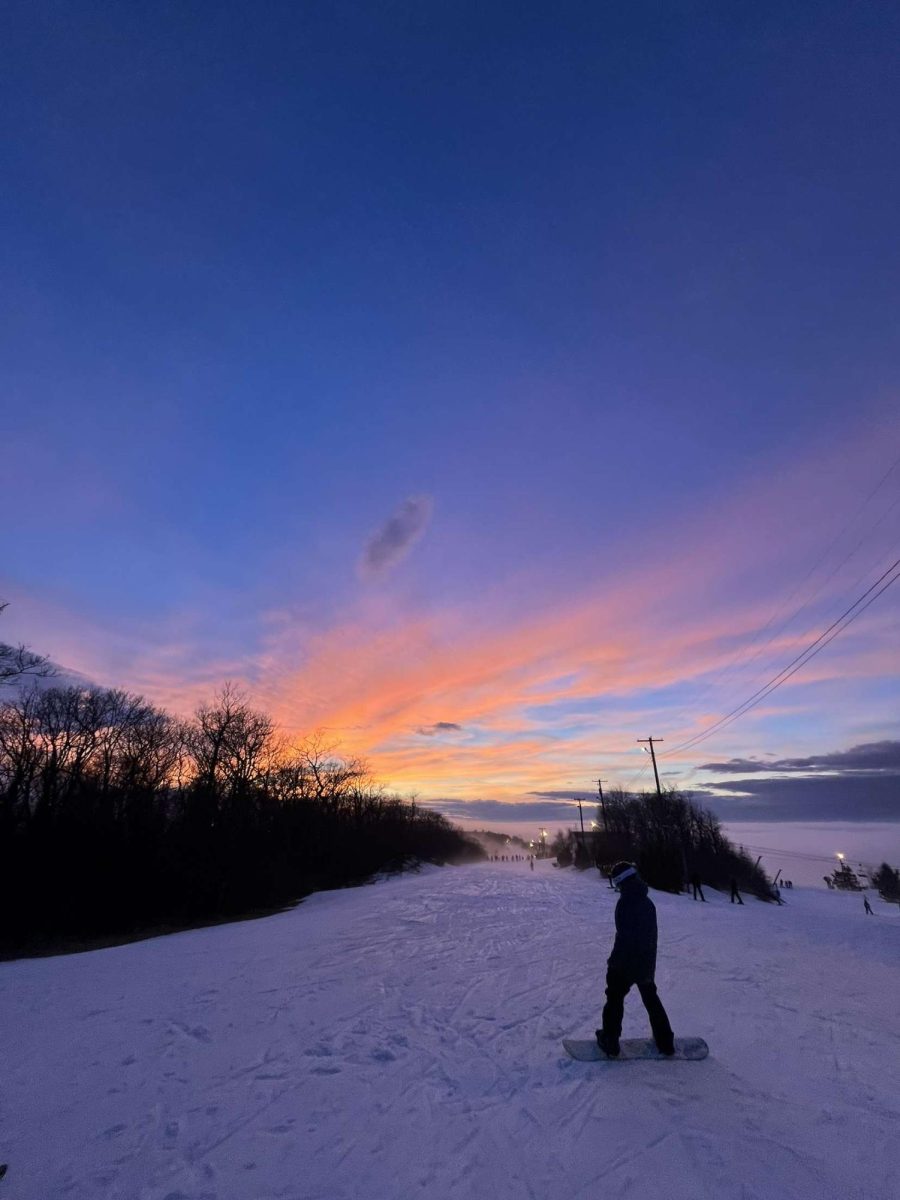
[[868, 905], [633, 961]]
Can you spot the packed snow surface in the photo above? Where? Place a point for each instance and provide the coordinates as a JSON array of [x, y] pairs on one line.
[[403, 1039]]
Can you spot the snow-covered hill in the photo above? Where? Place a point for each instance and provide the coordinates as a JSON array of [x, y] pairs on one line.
[[404, 1040]]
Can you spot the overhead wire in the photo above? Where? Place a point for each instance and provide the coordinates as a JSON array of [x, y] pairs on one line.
[[740, 659], [817, 591], [799, 661], [810, 651], [805, 855], [630, 784]]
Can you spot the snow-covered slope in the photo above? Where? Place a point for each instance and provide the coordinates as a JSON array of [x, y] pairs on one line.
[[404, 1040]]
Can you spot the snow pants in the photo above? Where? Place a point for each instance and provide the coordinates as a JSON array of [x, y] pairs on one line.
[[617, 988]]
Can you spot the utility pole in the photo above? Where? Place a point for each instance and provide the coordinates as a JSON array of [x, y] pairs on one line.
[[600, 783], [653, 756], [581, 816]]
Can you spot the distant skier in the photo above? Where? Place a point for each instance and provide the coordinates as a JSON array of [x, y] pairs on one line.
[[868, 905], [695, 884], [735, 894], [633, 961]]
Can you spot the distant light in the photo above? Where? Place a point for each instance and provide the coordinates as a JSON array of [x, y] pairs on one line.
[[840, 856]]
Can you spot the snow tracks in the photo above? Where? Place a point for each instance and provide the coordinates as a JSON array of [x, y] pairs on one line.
[[403, 1039]]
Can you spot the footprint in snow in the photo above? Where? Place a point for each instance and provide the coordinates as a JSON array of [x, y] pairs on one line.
[[199, 1033], [284, 1127]]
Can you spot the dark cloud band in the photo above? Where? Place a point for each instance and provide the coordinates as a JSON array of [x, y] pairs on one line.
[[882, 757]]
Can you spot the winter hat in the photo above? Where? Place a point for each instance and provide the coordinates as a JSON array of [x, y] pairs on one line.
[[622, 870]]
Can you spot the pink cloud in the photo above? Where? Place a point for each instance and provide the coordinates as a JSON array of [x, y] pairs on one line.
[[677, 612]]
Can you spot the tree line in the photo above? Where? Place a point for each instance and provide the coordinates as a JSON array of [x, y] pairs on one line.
[[671, 838], [116, 816], [887, 880]]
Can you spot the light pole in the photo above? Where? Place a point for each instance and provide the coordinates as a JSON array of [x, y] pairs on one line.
[[600, 783], [652, 753]]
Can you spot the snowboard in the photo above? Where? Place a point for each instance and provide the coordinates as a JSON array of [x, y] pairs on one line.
[[634, 1048]]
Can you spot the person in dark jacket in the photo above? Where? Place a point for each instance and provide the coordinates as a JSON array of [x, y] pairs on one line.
[[735, 894], [633, 961], [696, 885]]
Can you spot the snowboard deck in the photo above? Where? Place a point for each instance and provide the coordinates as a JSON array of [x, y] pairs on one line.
[[691, 1048]]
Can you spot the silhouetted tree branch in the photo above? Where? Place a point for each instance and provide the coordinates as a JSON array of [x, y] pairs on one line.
[[19, 661]]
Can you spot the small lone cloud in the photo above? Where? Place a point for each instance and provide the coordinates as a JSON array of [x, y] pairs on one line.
[[439, 727], [396, 537]]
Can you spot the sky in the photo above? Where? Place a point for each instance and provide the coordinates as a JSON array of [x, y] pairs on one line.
[[486, 386]]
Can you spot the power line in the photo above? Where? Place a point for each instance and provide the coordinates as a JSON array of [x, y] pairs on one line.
[[629, 783], [810, 651], [805, 855], [825, 579], [815, 647], [740, 657], [784, 675]]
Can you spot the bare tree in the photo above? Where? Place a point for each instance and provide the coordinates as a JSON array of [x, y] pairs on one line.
[[325, 776], [19, 661], [230, 742], [114, 815]]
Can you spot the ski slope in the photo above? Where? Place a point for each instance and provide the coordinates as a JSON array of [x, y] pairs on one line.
[[403, 1039]]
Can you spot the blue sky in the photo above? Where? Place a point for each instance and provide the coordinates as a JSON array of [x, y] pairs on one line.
[[610, 291]]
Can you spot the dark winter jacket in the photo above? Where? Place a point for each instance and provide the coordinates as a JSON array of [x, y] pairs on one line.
[[634, 951]]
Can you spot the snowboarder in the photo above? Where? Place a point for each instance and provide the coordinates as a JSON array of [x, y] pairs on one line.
[[695, 884], [868, 905], [735, 894], [633, 961]]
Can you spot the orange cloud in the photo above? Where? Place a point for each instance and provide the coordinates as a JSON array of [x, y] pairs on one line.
[[546, 692]]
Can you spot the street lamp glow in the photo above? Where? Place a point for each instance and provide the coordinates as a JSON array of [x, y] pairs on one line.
[[840, 856]]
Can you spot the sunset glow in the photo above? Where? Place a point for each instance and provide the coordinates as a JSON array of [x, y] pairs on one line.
[[481, 447]]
